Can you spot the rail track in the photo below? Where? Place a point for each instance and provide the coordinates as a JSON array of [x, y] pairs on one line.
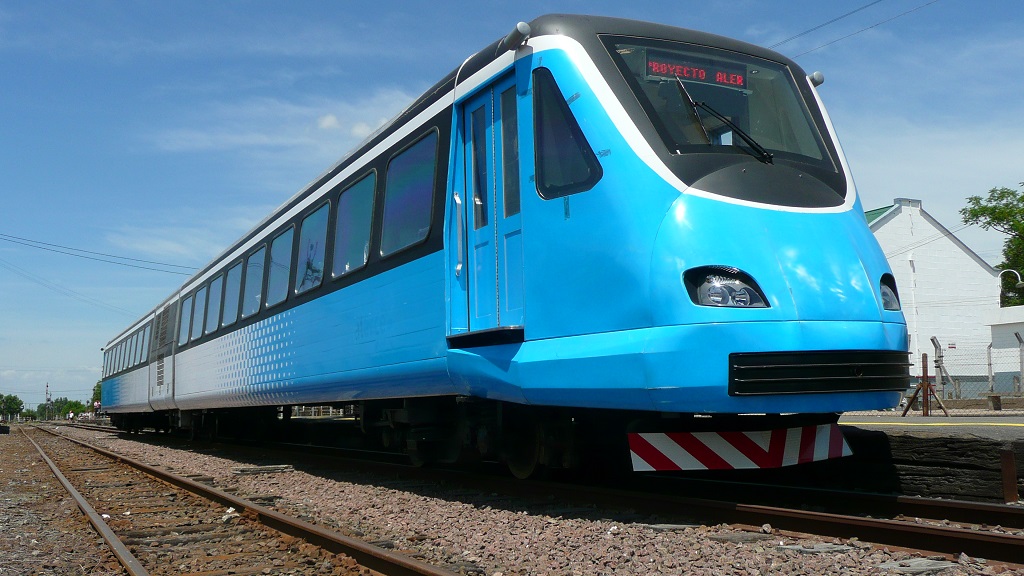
[[950, 528], [156, 522]]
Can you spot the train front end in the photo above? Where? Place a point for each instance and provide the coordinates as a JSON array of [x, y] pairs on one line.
[[720, 276]]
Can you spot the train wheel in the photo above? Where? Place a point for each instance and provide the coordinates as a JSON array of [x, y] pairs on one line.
[[524, 453]]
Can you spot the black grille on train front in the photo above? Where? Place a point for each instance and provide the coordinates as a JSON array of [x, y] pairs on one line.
[[806, 372]]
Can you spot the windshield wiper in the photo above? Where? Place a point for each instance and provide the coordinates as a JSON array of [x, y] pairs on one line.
[[765, 155], [694, 116]]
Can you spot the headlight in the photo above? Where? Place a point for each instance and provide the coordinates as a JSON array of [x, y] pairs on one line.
[[721, 286], [890, 301]]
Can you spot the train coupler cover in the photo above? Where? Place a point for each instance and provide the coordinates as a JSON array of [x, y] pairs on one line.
[[664, 451]]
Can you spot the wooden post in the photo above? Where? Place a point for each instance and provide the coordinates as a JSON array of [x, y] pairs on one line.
[[925, 386], [1009, 469]]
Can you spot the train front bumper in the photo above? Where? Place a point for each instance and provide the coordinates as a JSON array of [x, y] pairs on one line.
[[685, 369]]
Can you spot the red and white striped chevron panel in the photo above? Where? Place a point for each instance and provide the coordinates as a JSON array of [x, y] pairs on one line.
[[735, 450]]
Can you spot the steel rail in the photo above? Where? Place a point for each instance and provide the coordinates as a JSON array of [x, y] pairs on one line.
[[368, 555], [128, 560], [948, 540], [940, 539]]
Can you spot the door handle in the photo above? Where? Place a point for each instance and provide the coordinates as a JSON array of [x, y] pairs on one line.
[[459, 233]]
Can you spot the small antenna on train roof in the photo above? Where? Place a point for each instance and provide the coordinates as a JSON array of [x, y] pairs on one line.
[[516, 37]]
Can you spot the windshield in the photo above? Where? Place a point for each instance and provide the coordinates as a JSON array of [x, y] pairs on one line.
[[757, 97]]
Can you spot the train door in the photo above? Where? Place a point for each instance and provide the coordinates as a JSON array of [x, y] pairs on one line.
[[487, 158], [161, 366]]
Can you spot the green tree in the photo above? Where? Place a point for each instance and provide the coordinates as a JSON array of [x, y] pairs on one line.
[[61, 407], [1002, 211], [10, 406], [96, 392]]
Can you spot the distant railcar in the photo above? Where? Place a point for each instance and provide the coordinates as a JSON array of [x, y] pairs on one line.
[[595, 238]]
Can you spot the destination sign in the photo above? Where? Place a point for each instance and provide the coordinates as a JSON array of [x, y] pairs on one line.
[[672, 66]]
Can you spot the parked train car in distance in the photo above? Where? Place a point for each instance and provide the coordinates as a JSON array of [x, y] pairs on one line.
[[595, 240]]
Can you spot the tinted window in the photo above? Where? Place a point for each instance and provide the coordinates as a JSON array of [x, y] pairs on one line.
[[409, 190], [186, 318], [232, 289], [199, 314], [565, 162], [136, 348], [312, 240], [352, 231], [280, 268], [213, 308], [145, 342], [253, 291], [510, 151], [481, 161]]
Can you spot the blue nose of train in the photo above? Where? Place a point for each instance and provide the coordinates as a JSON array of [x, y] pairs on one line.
[[810, 265]]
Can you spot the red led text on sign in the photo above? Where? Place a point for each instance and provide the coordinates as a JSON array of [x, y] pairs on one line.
[[686, 71], [682, 71]]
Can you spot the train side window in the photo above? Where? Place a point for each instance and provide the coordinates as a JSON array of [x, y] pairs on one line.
[[145, 342], [136, 348], [129, 351], [213, 308], [566, 164], [309, 272], [280, 267], [481, 179], [352, 231], [510, 151], [186, 318], [199, 313], [124, 356], [252, 292], [232, 291], [408, 195]]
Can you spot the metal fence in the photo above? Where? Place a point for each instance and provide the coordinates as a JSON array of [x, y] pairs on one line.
[[978, 380]]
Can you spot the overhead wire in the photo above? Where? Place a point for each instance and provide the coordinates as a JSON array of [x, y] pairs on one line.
[[926, 240], [62, 290], [71, 252], [875, 25], [819, 26]]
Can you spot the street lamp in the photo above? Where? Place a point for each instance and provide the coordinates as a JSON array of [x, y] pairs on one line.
[[1020, 283]]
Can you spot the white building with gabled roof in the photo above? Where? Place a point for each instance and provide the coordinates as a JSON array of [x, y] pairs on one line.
[[946, 290]]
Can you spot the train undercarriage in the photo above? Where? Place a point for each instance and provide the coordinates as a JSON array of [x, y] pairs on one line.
[[447, 430]]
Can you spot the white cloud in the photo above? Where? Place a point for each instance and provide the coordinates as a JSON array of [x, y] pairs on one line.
[[194, 238], [328, 122], [940, 164], [314, 131]]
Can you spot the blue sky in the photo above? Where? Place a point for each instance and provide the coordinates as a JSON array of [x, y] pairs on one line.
[[162, 131]]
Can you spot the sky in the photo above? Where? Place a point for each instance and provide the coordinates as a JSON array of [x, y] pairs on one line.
[[163, 131]]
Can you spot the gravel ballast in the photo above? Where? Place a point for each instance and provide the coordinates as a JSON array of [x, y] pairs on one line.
[[501, 539]]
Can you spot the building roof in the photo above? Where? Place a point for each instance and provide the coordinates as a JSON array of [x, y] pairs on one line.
[[873, 215], [880, 216]]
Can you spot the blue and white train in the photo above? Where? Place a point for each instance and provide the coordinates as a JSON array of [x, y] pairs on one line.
[[592, 229]]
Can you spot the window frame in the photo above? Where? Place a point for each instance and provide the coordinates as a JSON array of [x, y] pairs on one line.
[[299, 248], [429, 220], [335, 272], [217, 280], [270, 276], [588, 156], [262, 282], [198, 313], [240, 265]]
